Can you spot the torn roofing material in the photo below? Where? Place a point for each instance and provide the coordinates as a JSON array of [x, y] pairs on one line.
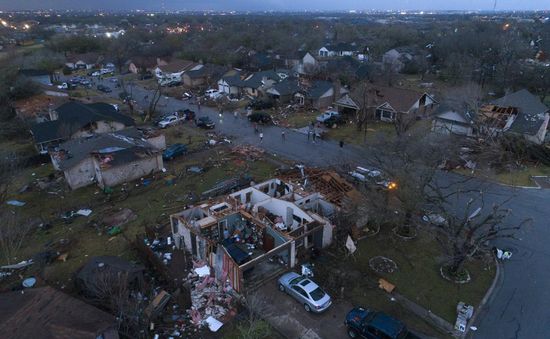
[[72, 152]]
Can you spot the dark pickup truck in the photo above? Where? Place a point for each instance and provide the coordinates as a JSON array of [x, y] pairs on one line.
[[365, 323]]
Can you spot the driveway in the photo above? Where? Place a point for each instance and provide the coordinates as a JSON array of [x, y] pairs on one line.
[[290, 319], [519, 306]]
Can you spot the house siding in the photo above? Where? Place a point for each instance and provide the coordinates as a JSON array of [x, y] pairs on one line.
[[80, 175], [128, 172]]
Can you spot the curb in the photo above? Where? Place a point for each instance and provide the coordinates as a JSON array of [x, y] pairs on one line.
[[488, 295]]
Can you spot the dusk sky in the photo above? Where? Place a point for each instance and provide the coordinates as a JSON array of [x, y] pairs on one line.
[[279, 5]]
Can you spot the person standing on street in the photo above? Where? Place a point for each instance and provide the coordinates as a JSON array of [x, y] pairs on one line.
[[261, 137], [341, 143], [283, 136], [308, 135]]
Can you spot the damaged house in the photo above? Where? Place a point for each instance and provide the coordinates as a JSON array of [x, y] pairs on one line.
[[109, 159], [319, 94], [74, 120], [241, 234]]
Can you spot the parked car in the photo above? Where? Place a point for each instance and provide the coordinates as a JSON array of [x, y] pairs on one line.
[[104, 89], [173, 151], [305, 291], [169, 120], [113, 80], [212, 94], [327, 115], [206, 123], [75, 81], [365, 323], [260, 118], [335, 120], [186, 96], [86, 83], [188, 114]]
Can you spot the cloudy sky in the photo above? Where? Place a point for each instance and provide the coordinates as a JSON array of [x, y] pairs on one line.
[[279, 5]]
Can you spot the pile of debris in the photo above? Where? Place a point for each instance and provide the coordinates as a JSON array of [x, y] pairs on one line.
[[215, 138], [248, 151], [212, 301], [329, 183]]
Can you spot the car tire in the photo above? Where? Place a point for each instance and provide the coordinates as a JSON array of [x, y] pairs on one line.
[[281, 288], [352, 333], [307, 308]]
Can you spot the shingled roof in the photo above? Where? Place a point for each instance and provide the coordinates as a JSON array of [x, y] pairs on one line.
[[531, 111], [73, 116], [72, 152], [47, 313]]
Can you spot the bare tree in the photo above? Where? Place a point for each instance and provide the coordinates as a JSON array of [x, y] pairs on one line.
[[466, 231], [157, 94], [254, 326], [111, 290], [13, 232]]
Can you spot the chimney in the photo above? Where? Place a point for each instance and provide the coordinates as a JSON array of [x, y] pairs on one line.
[[336, 86]]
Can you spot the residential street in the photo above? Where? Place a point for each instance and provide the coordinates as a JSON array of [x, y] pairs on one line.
[[518, 307]]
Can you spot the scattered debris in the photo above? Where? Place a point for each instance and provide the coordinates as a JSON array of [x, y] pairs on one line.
[[385, 285], [382, 264], [20, 265], [84, 212], [202, 271], [16, 203], [120, 218], [195, 169], [465, 313], [248, 151], [29, 282], [157, 305], [213, 324]]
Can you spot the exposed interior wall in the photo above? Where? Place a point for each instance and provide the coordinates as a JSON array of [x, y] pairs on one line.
[[279, 240]]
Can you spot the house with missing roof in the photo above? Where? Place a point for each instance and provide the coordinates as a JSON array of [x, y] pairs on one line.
[[109, 159], [74, 120], [239, 233], [520, 113], [47, 313]]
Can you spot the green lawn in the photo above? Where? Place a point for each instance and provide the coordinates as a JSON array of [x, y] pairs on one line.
[[418, 276], [300, 119], [521, 177], [152, 205], [350, 135]]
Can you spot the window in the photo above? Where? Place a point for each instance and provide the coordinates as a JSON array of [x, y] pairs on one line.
[[317, 294], [300, 291]]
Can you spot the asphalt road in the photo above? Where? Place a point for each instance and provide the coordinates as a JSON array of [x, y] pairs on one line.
[[518, 307]]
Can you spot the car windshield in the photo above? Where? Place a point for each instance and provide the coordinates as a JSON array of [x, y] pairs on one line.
[[295, 280], [317, 294]]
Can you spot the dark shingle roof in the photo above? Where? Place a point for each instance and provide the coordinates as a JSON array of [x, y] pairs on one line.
[[530, 111], [287, 87], [318, 88], [255, 81], [48, 313], [72, 152], [72, 116]]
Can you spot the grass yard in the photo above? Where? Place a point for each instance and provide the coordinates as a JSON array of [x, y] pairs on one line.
[[418, 276], [152, 204], [350, 135], [300, 119], [521, 177]]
